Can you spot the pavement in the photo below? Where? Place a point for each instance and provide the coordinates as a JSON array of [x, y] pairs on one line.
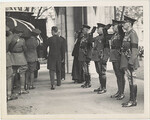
[[70, 98]]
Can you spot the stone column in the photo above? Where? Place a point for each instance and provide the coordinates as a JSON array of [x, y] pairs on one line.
[[70, 36]]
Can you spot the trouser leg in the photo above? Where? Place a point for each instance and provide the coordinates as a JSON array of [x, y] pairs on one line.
[[9, 86], [103, 76], [133, 90], [32, 79], [27, 79], [22, 81], [85, 67], [98, 70], [58, 73], [51, 72], [116, 73]]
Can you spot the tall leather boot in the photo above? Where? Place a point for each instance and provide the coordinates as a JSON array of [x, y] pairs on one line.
[[100, 87], [88, 81], [132, 97], [103, 81], [135, 95]]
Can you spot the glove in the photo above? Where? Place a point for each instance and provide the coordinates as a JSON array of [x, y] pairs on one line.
[[130, 66]]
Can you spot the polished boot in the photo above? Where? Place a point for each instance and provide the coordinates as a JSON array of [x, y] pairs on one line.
[[12, 97], [131, 96], [120, 97], [52, 87], [98, 89], [88, 81], [115, 95], [135, 95], [132, 102], [102, 91]]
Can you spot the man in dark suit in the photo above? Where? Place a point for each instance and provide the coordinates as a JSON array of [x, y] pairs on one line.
[[55, 57]]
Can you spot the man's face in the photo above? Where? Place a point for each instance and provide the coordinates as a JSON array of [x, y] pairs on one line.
[[126, 25], [85, 30], [115, 28], [100, 30]]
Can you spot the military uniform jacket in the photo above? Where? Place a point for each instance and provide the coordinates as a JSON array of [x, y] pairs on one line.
[[56, 51], [31, 53], [84, 49], [8, 54], [116, 43], [18, 50], [130, 41], [98, 48], [100, 51]]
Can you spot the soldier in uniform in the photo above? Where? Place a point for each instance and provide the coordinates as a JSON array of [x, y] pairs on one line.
[[84, 50], [115, 56], [9, 70], [18, 48], [32, 58], [55, 57], [129, 58], [100, 55]]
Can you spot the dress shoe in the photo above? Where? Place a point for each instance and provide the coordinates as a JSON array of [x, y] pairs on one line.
[[52, 87], [31, 87], [102, 91], [88, 85], [115, 95], [84, 85], [130, 104], [98, 89], [12, 98], [23, 92], [120, 97]]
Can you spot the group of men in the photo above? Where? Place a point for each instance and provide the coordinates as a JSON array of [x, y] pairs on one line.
[[122, 50], [21, 61]]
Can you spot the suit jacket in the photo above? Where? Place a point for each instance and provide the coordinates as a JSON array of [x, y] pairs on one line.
[[31, 52], [56, 51]]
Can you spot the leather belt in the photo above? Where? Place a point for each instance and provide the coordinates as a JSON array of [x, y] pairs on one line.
[[17, 52]]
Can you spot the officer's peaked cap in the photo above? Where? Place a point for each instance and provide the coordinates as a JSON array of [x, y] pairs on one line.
[[100, 25], [128, 19], [86, 26]]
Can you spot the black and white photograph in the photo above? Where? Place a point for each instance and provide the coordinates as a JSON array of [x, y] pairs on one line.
[[75, 59]]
